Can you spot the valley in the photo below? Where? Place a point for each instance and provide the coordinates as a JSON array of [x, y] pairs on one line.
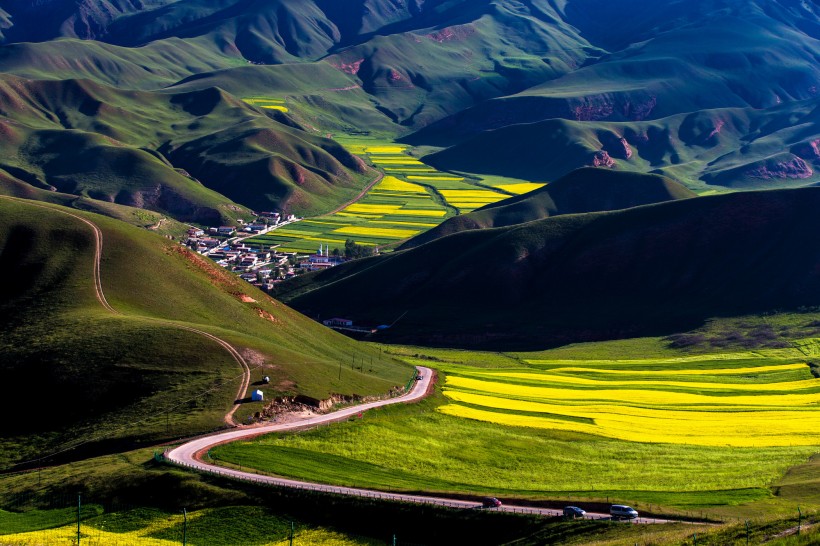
[[409, 272]]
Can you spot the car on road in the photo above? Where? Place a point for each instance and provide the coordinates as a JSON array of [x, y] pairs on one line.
[[574, 512], [490, 502], [620, 511]]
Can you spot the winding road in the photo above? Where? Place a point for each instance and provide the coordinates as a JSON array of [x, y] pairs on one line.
[[190, 453]]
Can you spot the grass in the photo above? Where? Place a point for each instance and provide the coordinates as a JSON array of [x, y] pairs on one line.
[[433, 447], [151, 379], [409, 200], [250, 525], [458, 455]]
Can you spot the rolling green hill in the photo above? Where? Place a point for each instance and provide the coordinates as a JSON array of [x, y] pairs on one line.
[[77, 377], [652, 269], [739, 148], [192, 154], [584, 190]]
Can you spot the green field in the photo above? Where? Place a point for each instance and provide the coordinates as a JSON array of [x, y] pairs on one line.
[[525, 426], [412, 198], [152, 380], [247, 525]]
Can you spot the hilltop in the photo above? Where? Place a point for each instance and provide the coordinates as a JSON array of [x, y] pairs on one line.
[[201, 156], [647, 270], [584, 190], [142, 375]]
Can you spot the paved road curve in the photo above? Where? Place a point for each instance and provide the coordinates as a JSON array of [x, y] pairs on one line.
[[188, 455]]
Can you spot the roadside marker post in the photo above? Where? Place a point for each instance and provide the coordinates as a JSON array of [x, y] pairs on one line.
[[799, 520], [184, 527], [79, 514]]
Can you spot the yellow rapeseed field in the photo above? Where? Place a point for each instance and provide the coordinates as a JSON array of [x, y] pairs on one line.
[[631, 395], [276, 107], [378, 232], [372, 209], [642, 406], [759, 429], [402, 161], [705, 371], [385, 149], [518, 189], [787, 386], [433, 178], [471, 195], [391, 183], [420, 212]]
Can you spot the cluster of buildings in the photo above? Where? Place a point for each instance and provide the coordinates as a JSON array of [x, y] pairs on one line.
[[259, 266]]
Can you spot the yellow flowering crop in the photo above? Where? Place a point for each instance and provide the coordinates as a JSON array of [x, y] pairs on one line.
[[518, 189], [385, 149], [372, 209], [630, 396], [420, 212], [433, 178], [377, 232], [391, 183]]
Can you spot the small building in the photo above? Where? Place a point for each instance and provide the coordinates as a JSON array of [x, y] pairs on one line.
[[257, 396], [338, 323], [226, 230], [195, 232]]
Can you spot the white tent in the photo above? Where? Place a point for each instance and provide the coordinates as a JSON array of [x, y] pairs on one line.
[[257, 396]]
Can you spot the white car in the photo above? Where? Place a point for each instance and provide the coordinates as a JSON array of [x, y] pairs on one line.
[[620, 511]]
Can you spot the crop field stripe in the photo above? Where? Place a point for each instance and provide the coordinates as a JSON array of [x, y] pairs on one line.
[[737, 433], [633, 395], [704, 371], [535, 378]]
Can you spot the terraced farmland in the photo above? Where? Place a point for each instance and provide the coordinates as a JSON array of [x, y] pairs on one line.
[[410, 199], [707, 403]]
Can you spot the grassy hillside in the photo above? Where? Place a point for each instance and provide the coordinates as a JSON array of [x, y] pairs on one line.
[[720, 148], [142, 379], [584, 190], [580, 277], [130, 147]]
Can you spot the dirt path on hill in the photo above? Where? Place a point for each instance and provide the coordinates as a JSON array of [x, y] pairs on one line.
[[98, 290], [366, 189]]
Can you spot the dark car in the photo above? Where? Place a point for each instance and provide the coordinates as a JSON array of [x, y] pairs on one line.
[[574, 512], [490, 502]]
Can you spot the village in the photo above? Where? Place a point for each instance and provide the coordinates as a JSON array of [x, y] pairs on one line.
[[263, 267]]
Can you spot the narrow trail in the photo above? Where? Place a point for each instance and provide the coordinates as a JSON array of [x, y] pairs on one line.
[[98, 289], [379, 178]]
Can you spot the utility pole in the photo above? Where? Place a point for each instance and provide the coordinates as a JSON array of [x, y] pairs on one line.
[[340, 370], [291, 533], [747, 532], [79, 514], [799, 519], [184, 527]]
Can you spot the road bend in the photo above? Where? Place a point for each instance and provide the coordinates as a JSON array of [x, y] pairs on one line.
[[191, 455], [187, 454]]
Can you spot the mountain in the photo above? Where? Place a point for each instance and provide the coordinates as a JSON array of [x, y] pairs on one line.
[[90, 378], [674, 57], [193, 155], [646, 270], [741, 148], [582, 191]]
